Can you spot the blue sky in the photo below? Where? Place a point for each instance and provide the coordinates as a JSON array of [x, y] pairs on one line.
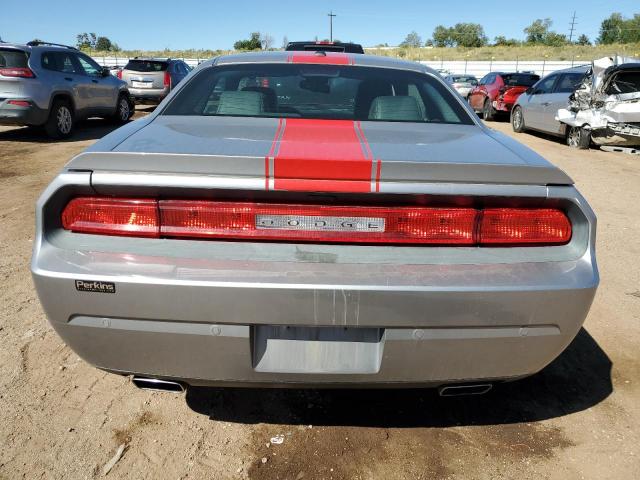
[[189, 24]]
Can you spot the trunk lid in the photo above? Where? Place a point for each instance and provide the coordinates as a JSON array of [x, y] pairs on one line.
[[319, 154]]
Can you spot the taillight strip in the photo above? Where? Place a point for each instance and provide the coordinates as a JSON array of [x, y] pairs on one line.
[[316, 223]]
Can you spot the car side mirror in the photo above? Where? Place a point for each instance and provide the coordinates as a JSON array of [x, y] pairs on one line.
[[529, 91], [105, 71]]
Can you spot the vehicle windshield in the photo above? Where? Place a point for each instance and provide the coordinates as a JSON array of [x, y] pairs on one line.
[[13, 58], [318, 92], [520, 79], [146, 66]]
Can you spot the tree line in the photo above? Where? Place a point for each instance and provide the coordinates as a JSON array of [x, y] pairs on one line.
[[614, 29]]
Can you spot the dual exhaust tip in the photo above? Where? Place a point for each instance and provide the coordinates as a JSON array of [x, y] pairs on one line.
[[156, 384]]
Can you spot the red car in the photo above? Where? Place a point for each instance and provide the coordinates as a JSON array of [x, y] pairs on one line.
[[498, 92]]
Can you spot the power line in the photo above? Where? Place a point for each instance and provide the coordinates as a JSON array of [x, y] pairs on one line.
[[573, 24]]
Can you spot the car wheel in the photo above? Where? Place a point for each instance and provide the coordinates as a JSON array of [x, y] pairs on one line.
[[578, 137], [60, 122], [517, 120], [487, 111], [123, 110]]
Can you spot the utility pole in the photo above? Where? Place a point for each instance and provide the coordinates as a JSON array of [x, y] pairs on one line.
[[331, 15], [573, 25]]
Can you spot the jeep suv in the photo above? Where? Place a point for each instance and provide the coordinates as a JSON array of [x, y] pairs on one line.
[[151, 79], [54, 86]]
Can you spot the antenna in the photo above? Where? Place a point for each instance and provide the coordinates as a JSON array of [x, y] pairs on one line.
[[331, 15], [573, 24]]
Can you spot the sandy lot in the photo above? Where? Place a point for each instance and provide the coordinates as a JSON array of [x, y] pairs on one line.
[[579, 418]]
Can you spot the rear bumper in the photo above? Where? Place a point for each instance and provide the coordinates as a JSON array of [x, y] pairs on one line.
[[216, 313], [17, 115], [146, 94]]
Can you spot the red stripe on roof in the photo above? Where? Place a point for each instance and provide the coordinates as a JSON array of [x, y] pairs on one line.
[[329, 58], [322, 155]]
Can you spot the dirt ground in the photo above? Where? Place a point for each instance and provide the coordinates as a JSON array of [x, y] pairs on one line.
[[580, 418]]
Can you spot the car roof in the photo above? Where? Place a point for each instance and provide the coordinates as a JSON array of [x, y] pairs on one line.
[[356, 59]]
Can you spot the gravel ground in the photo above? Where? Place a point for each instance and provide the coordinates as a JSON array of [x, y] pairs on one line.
[[579, 418]]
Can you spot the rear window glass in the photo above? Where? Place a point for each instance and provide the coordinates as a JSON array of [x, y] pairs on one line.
[[13, 58], [464, 79], [319, 92], [625, 82], [146, 66], [520, 79]]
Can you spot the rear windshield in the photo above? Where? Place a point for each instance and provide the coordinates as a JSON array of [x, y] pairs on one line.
[[625, 82], [13, 58], [146, 66], [464, 79], [520, 79], [319, 92]]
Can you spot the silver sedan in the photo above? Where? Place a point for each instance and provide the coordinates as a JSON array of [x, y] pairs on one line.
[[537, 107]]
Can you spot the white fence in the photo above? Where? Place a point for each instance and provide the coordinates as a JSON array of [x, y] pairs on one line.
[[477, 68]]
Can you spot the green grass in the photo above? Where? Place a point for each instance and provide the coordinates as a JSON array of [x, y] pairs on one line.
[[528, 52], [525, 52]]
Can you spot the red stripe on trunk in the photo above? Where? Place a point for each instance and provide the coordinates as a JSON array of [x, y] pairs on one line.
[[331, 58], [322, 155]]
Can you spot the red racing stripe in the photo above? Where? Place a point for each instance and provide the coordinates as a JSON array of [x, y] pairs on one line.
[[323, 155], [331, 58]]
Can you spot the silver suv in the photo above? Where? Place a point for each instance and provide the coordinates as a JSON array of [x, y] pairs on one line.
[[44, 84], [151, 79]]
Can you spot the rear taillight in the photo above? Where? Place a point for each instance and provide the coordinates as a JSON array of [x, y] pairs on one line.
[[119, 74], [316, 223], [17, 72], [185, 218], [111, 216], [167, 79], [19, 103], [511, 225]]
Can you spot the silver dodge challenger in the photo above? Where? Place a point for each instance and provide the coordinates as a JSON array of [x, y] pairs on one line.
[[314, 219]]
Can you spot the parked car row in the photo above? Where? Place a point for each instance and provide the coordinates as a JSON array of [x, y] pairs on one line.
[[54, 86], [588, 104]]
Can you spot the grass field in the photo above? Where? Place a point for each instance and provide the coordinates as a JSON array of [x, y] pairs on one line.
[[534, 52]]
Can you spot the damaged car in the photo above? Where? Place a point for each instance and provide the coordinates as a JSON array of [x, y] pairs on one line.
[[605, 108]]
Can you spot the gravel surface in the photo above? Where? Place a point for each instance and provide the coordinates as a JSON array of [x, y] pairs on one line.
[[579, 418]]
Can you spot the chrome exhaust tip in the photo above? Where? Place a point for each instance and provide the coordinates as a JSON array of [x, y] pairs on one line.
[[146, 383], [464, 389]]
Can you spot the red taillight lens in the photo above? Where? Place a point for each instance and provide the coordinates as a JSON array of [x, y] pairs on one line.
[[19, 103], [17, 72], [184, 218], [316, 223], [119, 74], [110, 216], [167, 79], [513, 226]]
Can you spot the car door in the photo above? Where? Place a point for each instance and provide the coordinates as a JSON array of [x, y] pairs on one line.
[[100, 90], [478, 94], [66, 77], [565, 86], [537, 101]]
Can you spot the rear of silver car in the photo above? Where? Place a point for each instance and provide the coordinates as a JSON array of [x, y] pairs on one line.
[[148, 80], [219, 312], [174, 302]]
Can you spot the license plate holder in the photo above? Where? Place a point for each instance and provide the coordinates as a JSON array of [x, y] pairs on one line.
[[317, 350], [135, 84]]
